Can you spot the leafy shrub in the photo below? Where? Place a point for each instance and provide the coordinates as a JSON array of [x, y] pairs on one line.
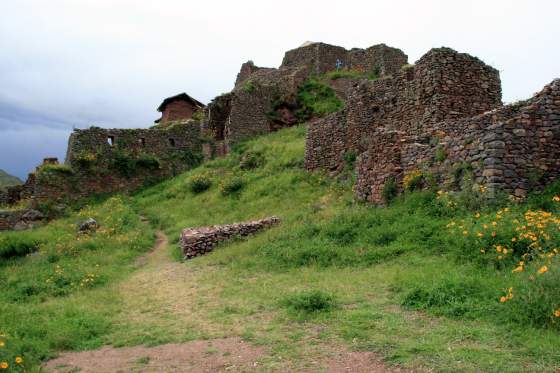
[[251, 160], [85, 160], [413, 180], [249, 86], [440, 155], [232, 186], [199, 184], [535, 299], [389, 190], [192, 159], [148, 162], [313, 301], [350, 157], [12, 245]]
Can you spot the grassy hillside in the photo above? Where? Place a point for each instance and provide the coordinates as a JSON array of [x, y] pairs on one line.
[[7, 180], [424, 282]]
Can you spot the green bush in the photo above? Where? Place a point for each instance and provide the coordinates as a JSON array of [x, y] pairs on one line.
[[232, 186], [249, 86], [192, 159], [199, 184], [313, 301], [12, 245], [390, 190], [350, 157], [251, 160], [148, 162], [440, 155]]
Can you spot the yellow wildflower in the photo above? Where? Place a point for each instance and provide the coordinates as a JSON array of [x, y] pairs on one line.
[[543, 269], [19, 360], [557, 313], [4, 365], [556, 198]]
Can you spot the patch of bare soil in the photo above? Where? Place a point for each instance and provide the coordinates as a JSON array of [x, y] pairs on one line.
[[161, 243], [218, 355]]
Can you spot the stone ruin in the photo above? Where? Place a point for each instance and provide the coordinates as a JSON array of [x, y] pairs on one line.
[[243, 113], [442, 116], [199, 241]]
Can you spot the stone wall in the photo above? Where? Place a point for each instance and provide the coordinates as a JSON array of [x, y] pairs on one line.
[[19, 219], [202, 240], [112, 160], [443, 85], [319, 58], [514, 148], [256, 87]]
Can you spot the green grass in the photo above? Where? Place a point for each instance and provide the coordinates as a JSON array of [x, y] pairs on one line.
[[335, 272]]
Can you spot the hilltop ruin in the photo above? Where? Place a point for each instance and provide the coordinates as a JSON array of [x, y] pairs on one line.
[[439, 119]]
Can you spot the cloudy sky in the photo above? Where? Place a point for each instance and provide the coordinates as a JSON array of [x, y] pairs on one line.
[[74, 63]]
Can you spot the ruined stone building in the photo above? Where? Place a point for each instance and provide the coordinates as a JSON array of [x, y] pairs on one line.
[[442, 116]]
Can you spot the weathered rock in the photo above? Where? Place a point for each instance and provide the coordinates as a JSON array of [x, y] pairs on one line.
[[87, 226]]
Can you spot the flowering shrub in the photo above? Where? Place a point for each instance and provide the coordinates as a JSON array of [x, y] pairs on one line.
[[526, 243], [231, 186], [413, 180], [199, 184], [10, 355]]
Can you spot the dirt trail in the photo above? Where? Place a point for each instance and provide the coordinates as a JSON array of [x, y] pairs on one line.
[[159, 295]]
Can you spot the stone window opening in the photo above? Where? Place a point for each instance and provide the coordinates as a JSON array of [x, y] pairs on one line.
[[111, 140], [172, 142], [142, 141]]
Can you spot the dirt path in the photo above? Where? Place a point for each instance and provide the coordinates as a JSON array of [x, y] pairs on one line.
[[158, 298]]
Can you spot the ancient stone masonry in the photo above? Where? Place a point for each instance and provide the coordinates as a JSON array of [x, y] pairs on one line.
[[19, 219], [245, 111], [442, 118], [201, 240], [443, 85], [112, 160]]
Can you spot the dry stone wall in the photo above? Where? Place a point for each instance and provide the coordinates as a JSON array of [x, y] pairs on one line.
[[202, 240], [514, 149], [256, 88], [19, 219], [443, 85], [112, 160]]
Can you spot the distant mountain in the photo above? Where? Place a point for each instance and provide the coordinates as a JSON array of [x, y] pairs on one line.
[[8, 180]]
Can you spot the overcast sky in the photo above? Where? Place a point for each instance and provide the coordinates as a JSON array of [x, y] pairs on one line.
[[74, 63]]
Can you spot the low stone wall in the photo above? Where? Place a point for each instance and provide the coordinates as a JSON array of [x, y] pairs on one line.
[[19, 219], [201, 240]]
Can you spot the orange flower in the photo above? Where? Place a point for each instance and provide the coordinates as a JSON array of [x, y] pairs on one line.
[[543, 269], [4, 365], [503, 299], [557, 313]]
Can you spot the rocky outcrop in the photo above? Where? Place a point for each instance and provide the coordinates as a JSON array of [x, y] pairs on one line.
[[202, 240]]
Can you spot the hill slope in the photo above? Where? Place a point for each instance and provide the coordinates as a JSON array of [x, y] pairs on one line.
[[336, 274], [7, 180]]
